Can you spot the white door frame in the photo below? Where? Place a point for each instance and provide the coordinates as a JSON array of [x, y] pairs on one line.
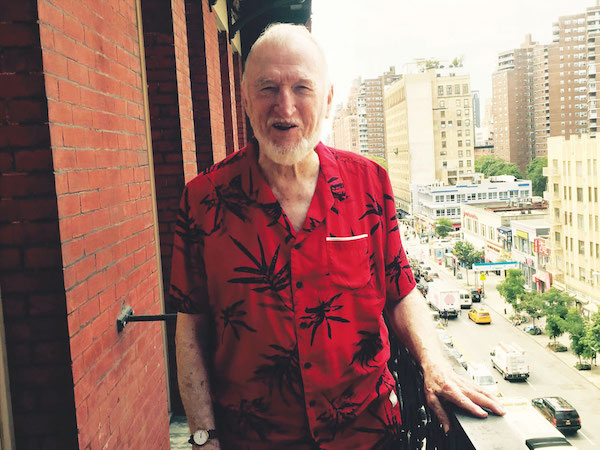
[[7, 437]]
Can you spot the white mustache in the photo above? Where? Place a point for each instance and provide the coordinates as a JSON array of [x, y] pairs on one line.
[[283, 121]]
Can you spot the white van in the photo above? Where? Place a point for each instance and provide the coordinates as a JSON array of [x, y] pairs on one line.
[[465, 299]]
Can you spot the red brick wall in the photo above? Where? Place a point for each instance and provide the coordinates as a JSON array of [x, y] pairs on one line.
[[31, 280], [228, 93], [171, 120], [205, 75], [96, 116], [239, 108]]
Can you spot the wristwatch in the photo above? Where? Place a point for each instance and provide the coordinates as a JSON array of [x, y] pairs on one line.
[[201, 437]]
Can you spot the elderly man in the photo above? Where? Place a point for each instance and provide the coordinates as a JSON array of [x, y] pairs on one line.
[[286, 255]]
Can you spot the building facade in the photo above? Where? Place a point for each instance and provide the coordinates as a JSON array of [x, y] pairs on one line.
[[429, 126], [572, 192], [488, 225], [525, 234], [432, 202]]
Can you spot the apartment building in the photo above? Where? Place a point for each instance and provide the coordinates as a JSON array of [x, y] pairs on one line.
[[525, 234], [572, 193], [361, 119], [429, 131], [513, 104]]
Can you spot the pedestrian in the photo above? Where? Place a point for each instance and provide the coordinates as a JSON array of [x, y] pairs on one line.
[[286, 254]]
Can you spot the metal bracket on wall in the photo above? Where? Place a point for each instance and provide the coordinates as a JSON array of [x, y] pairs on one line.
[[126, 316]]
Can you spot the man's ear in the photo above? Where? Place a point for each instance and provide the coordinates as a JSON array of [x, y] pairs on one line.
[[329, 102]]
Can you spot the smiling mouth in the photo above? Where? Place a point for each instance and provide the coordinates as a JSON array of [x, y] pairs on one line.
[[284, 126]]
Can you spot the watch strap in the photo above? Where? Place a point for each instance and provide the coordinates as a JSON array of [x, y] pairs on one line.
[[212, 434]]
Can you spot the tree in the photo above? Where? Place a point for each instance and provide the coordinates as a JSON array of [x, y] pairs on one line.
[[592, 335], [491, 166], [379, 160], [457, 61], [557, 303], [512, 287], [555, 327], [534, 173], [443, 226], [466, 255], [429, 64], [532, 303], [575, 326]]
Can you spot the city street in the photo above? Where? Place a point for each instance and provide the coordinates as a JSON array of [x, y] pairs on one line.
[[551, 374]]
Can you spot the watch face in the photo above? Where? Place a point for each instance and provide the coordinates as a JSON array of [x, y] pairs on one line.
[[200, 437]]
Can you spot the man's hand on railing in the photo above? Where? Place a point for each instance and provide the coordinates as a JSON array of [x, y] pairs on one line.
[[442, 383]]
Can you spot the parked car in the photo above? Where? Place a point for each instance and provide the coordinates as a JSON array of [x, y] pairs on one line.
[[458, 356], [480, 315], [532, 329], [547, 443], [475, 295], [444, 337], [434, 275], [483, 377], [559, 413]]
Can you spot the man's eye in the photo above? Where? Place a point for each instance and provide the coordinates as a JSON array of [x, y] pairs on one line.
[[268, 88]]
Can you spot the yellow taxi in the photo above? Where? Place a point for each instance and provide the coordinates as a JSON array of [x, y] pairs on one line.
[[480, 315]]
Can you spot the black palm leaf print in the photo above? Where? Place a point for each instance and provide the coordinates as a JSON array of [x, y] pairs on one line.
[[382, 381], [282, 371], [337, 189], [319, 314], [226, 162], [232, 317], [312, 224], [231, 198], [390, 431], [395, 269], [185, 226], [373, 208], [249, 418], [369, 347], [263, 273], [392, 218], [341, 412], [181, 301]]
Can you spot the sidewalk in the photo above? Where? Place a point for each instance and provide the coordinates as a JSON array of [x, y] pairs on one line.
[[495, 302]]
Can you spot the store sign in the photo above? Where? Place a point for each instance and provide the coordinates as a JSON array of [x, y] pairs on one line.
[[483, 267], [539, 246]]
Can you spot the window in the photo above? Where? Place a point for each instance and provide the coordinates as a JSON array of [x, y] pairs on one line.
[[569, 192], [468, 163], [458, 113], [443, 144], [555, 187], [459, 123], [580, 221], [449, 123], [595, 195], [460, 163], [465, 89], [444, 164], [443, 124], [460, 153], [579, 194], [466, 103], [439, 198], [467, 132], [459, 134], [564, 192], [460, 143], [581, 247], [443, 135], [457, 89], [556, 213], [442, 102], [441, 92], [468, 151], [492, 195], [443, 153], [449, 90], [442, 113], [458, 102], [556, 236], [467, 122], [566, 218], [579, 168], [571, 219]]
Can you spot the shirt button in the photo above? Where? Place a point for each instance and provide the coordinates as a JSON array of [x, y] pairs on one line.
[[307, 365], [299, 284], [312, 403]]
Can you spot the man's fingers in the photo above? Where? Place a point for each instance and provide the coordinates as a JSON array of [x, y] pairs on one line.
[[438, 410]]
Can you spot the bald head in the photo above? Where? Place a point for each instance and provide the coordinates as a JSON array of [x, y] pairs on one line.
[[283, 36]]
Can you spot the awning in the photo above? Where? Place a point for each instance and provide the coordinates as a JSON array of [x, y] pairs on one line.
[[541, 276], [504, 230]]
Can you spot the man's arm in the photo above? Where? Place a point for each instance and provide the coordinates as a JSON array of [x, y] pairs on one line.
[[412, 323], [192, 373]]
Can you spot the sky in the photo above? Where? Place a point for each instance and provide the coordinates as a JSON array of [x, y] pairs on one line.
[[366, 37]]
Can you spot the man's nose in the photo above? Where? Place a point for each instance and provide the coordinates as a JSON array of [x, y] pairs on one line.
[[285, 102]]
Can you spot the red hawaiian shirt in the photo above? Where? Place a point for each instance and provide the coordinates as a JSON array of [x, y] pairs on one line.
[[301, 347]]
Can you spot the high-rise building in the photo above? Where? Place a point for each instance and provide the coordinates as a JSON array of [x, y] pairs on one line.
[[363, 115], [429, 131], [476, 109], [572, 192], [513, 105]]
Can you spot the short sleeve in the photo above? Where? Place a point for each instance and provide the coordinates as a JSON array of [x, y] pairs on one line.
[[188, 290], [399, 277]]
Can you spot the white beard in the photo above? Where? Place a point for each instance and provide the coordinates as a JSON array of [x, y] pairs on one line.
[[288, 155]]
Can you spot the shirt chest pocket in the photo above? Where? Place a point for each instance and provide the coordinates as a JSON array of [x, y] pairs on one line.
[[348, 258]]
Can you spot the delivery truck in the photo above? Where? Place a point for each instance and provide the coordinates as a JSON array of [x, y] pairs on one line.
[[444, 298], [510, 360]]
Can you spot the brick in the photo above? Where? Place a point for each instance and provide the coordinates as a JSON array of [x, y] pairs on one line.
[[68, 205], [78, 73], [73, 28], [89, 311], [90, 201], [26, 185], [72, 251], [50, 15], [78, 181], [26, 135], [69, 92], [10, 259], [21, 85], [42, 257], [27, 111], [60, 112], [31, 160]]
